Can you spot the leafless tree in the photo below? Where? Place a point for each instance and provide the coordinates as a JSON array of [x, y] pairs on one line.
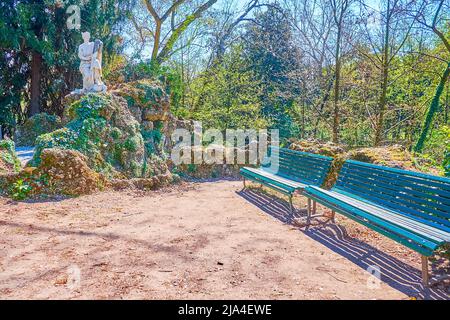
[[385, 30], [161, 23]]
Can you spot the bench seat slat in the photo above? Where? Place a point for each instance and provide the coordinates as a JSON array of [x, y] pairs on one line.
[[419, 187], [399, 198], [288, 170], [401, 175], [354, 214], [376, 221], [412, 195], [269, 183], [310, 173], [415, 195], [425, 230], [271, 176], [411, 213], [301, 168], [300, 174]]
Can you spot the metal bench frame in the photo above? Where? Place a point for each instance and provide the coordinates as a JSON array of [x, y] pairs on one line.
[[421, 199], [300, 169]]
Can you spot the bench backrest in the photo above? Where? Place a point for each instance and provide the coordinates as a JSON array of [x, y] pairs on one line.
[[301, 166], [419, 196]]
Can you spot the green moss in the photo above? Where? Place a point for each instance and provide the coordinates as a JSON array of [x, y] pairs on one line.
[[7, 145], [132, 144], [8, 157], [101, 129], [116, 133], [143, 93]]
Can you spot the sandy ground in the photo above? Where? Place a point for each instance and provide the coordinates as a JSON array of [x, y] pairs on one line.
[[193, 241]]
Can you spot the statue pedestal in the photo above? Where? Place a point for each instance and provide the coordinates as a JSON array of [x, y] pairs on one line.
[[95, 89]]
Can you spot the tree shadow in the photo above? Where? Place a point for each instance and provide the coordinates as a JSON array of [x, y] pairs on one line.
[[109, 236], [208, 180], [394, 272]]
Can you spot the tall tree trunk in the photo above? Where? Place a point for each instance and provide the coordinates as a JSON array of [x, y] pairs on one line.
[[337, 87], [384, 81], [382, 106], [432, 111], [303, 135], [447, 104], [156, 41], [35, 87]]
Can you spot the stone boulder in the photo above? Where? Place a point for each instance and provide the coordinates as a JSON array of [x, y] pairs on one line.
[[146, 99], [60, 172], [66, 172], [328, 149]]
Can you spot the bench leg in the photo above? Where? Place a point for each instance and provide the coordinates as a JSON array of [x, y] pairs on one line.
[[425, 273], [245, 186], [291, 206], [333, 217], [308, 219]]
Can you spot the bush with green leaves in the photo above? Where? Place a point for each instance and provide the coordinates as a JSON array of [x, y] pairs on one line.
[[20, 190], [9, 162]]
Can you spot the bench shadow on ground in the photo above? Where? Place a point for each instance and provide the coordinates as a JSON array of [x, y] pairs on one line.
[[395, 273]]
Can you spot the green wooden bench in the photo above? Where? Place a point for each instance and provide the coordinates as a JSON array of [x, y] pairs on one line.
[[408, 207], [289, 171]]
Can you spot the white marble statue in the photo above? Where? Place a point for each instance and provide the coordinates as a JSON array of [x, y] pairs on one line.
[[90, 54]]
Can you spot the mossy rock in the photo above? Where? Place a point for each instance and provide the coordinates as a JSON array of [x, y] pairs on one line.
[[146, 99], [65, 172], [35, 126], [211, 170], [60, 172], [329, 149], [101, 127], [9, 162]]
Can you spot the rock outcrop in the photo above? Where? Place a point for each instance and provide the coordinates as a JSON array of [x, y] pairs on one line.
[[66, 172], [107, 139], [101, 127], [60, 172]]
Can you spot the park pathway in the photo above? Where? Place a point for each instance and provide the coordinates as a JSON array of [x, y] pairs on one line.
[[25, 154]]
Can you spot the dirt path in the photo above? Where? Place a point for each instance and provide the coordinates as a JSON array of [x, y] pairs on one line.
[[195, 241]]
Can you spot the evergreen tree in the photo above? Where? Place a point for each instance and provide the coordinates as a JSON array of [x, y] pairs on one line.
[[274, 58]]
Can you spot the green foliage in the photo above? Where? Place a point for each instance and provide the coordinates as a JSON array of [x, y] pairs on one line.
[[20, 190], [227, 96], [437, 147], [100, 130], [38, 28], [8, 157], [7, 145], [271, 53], [434, 108], [168, 76], [446, 162]]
